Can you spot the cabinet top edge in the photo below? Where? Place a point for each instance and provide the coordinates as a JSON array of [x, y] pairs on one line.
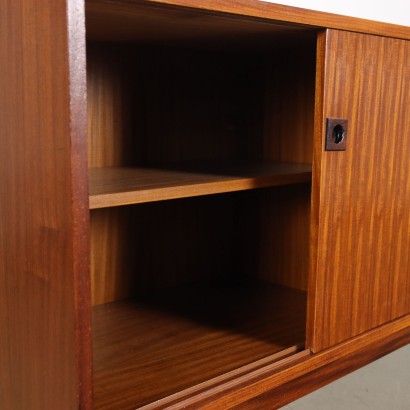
[[281, 13]]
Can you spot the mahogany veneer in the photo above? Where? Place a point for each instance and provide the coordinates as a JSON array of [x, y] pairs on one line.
[[246, 265], [121, 186], [185, 336]]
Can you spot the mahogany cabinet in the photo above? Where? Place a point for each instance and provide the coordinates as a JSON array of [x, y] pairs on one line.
[[204, 204]]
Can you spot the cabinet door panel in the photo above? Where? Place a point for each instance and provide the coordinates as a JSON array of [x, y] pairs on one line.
[[361, 202]]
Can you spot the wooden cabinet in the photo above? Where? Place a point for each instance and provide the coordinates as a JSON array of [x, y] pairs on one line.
[[173, 232]]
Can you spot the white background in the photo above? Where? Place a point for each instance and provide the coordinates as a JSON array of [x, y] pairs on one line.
[[390, 11]]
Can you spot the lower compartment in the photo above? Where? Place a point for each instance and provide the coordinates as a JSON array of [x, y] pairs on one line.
[[187, 290], [151, 347]]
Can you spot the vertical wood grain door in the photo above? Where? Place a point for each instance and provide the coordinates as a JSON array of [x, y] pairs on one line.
[[361, 196]]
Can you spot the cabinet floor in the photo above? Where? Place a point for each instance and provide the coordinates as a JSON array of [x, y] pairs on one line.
[[148, 348]]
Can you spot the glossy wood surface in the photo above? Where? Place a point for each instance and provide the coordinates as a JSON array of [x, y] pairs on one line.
[[122, 186], [363, 268], [315, 187], [266, 366], [156, 345], [276, 13], [365, 352], [80, 209], [44, 346], [151, 23], [253, 103], [273, 387]]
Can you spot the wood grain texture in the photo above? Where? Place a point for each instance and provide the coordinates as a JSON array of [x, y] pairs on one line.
[[283, 235], [110, 141], [315, 187], [152, 106], [363, 265], [311, 381], [122, 186], [153, 346], [272, 388], [44, 290], [43, 338], [265, 366], [260, 10], [80, 211], [111, 260], [149, 247], [289, 103], [154, 246], [225, 108], [151, 23], [155, 105], [161, 244]]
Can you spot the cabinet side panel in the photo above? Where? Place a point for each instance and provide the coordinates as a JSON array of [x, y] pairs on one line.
[[39, 226], [363, 264]]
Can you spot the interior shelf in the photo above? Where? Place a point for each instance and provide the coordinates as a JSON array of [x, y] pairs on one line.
[[113, 186], [147, 348]]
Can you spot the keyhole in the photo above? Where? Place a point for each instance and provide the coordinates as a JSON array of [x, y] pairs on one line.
[[338, 133]]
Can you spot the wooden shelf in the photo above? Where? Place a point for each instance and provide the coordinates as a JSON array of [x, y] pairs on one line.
[[113, 186], [147, 349]]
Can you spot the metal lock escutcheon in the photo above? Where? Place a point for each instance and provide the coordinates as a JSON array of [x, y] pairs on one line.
[[336, 134]]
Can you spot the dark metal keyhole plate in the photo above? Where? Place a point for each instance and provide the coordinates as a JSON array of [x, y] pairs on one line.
[[336, 134]]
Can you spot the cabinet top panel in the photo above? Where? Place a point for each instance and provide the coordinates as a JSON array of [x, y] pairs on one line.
[[102, 16]]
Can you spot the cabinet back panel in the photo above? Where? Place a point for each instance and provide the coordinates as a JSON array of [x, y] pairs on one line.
[[289, 86], [283, 250], [160, 105], [163, 244]]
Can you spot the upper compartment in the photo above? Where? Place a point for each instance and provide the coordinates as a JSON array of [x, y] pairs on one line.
[[186, 103]]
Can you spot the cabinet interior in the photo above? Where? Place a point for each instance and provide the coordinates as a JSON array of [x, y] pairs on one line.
[[200, 132]]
